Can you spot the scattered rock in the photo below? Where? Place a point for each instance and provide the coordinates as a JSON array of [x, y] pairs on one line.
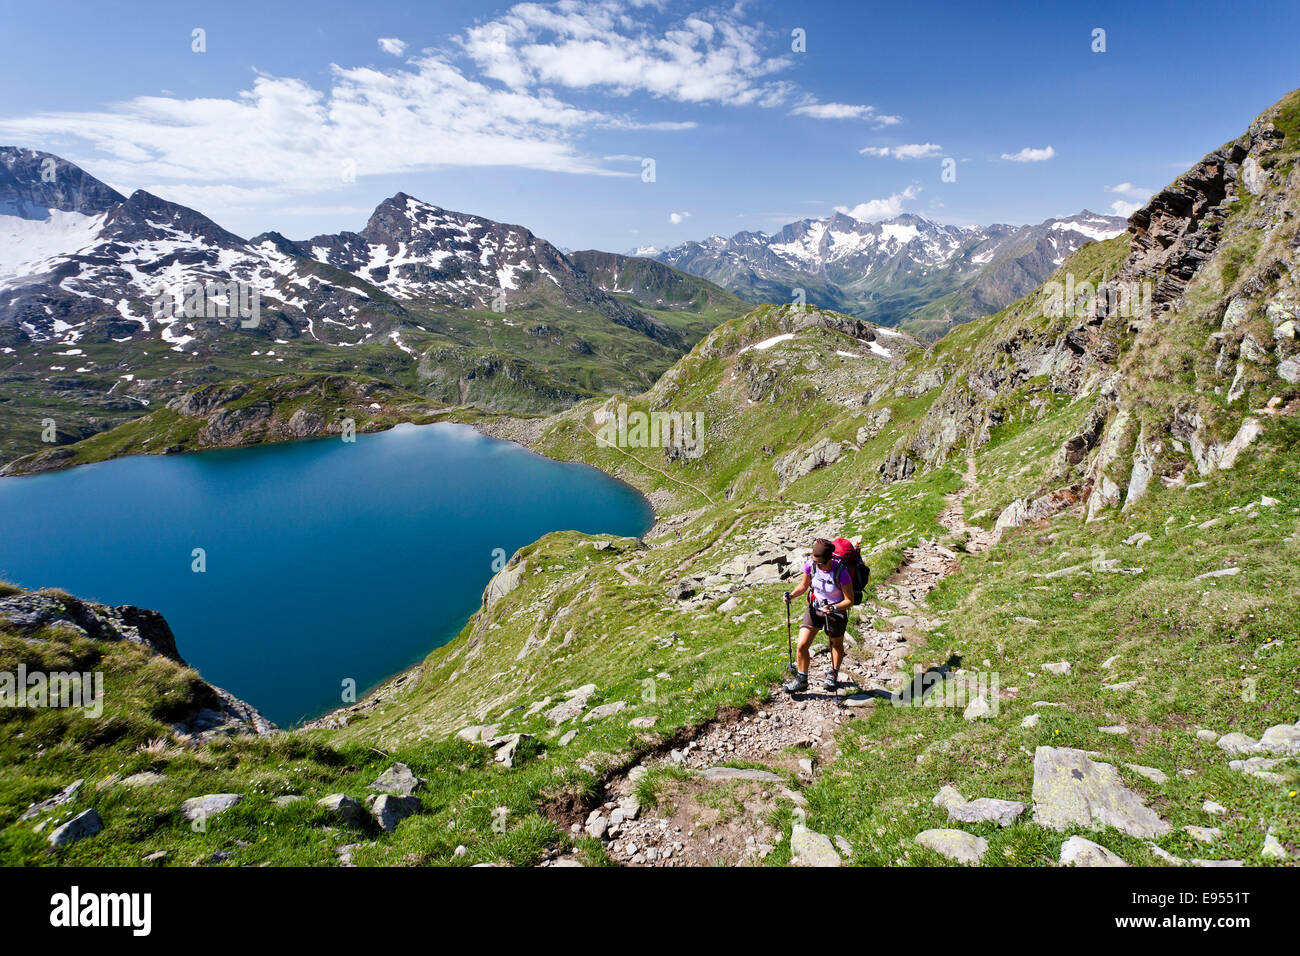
[[199, 808], [146, 778], [1273, 849], [1059, 668], [603, 711], [954, 844], [45, 806], [1203, 834], [389, 810], [714, 774], [1030, 721], [1154, 774], [1077, 851], [1214, 809], [397, 779], [810, 848], [986, 810], [1236, 744], [85, 824], [948, 797], [349, 811]]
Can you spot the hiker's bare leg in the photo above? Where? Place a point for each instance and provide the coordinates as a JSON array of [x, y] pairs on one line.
[[802, 657], [837, 652]]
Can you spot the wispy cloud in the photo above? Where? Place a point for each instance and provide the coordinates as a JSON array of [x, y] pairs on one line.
[[677, 218], [392, 45], [905, 151], [885, 208], [1030, 155], [844, 111]]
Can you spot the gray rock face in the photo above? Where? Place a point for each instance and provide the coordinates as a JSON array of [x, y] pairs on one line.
[[85, 824], [810, 848], [397, 779], [798, 464], [349, 811], [954, 844], [986, 810], [1077, 851], [503, 582], [389, 810], [209, 805], [1072, 790]]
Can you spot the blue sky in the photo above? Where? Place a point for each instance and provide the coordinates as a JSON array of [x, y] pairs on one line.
[[301, 117]]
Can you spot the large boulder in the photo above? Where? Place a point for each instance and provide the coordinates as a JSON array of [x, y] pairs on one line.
[[1072, 790]]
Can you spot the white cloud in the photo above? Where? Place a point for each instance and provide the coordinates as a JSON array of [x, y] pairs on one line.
[[905, 151], [885, 208], [392, 45], [287, 137], [677, 218], [1137, 196], [586, 44], [1030, 155]]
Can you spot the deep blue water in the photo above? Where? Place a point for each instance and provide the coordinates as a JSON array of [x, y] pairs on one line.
[[325, 560]]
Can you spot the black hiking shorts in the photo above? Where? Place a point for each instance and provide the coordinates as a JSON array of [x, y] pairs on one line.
[[835, 624]]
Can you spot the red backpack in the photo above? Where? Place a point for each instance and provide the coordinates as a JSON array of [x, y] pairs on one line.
[[852, 558]]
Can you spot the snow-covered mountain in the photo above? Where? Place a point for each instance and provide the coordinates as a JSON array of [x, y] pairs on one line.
[[884, 270]]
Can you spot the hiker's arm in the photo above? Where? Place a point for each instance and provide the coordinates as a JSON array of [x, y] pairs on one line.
[[847, 603], [802, 588]]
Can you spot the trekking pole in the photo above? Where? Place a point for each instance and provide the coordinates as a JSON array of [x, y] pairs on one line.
[[789, 642]]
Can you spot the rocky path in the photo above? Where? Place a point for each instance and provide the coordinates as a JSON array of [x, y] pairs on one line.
[[929, 562], [706, 813]]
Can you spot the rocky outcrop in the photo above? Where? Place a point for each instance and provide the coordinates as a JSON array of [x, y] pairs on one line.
[[218, 713], [798, 464]]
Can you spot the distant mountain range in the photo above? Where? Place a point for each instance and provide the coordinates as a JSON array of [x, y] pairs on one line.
[[908, 271], [97, 319]]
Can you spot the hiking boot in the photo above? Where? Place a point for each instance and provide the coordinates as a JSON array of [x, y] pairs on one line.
[[796, 684], [831, 682]]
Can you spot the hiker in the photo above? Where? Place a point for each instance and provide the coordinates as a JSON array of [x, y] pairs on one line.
[[831, 584]]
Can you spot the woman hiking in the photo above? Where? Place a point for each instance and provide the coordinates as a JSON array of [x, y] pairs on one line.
[[831, 584]]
